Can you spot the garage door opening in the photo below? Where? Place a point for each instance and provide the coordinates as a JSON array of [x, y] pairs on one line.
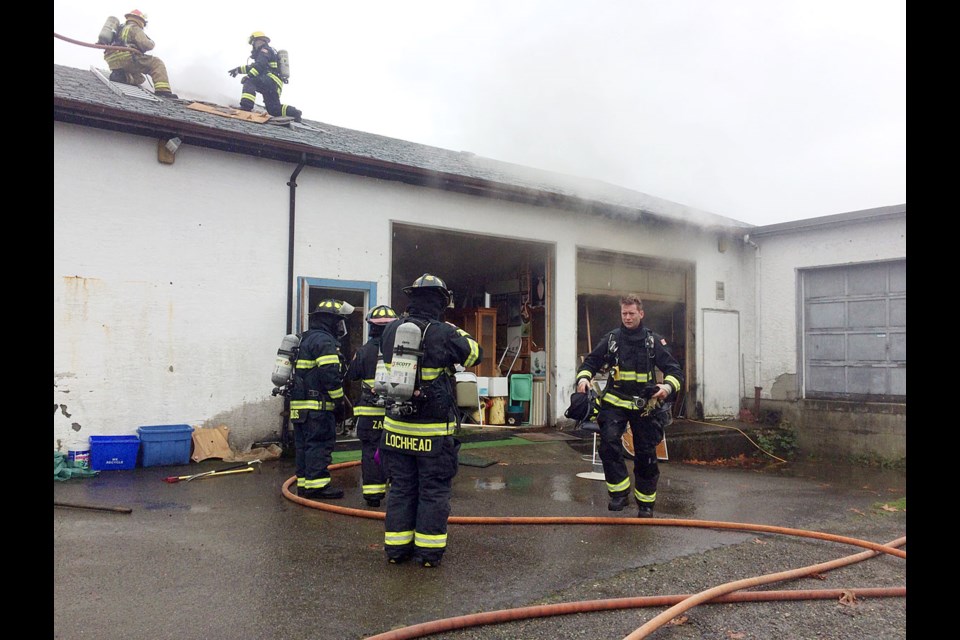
[[502, 293]]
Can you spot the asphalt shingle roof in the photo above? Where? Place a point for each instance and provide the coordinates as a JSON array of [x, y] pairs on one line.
[[82, 91]]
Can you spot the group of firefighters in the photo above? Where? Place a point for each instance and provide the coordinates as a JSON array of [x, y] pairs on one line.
[[413, 453], [126, 48], [409, 450]]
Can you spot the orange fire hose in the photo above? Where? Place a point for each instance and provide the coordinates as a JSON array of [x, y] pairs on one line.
[[107, 47], [645, 522], [723, 589], [589, 606], [726, 593]]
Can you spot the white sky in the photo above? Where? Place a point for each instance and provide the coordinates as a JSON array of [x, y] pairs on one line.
[[764, 111]]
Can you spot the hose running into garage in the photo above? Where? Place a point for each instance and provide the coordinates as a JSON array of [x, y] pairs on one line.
[[724, 593]]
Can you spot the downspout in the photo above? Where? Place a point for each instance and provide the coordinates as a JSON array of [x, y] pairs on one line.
[[756, 329], [291, 234], [285, 432]]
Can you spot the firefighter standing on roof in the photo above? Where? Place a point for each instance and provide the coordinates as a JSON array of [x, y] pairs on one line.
[[369, 410], [128, 67], [632, 352], [263, 76], [418, 446], [316, 392]]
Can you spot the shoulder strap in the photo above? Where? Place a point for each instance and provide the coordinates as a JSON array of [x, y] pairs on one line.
[[613, 347]]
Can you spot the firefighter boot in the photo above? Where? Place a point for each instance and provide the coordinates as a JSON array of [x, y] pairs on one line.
[[117, 75], [373, 500], [617, 503], [427, 563], [328, 492], [645, 510], [399, 557]]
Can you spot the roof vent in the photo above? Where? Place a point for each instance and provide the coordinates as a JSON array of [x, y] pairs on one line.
[[122, 89]]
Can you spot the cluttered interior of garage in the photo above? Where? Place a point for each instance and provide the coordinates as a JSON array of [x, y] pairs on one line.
[[501, 296]]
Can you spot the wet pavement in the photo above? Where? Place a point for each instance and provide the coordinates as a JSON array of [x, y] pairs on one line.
[[234, 557]]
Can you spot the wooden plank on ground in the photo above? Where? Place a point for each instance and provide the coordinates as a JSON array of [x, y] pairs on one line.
[[229, 112]]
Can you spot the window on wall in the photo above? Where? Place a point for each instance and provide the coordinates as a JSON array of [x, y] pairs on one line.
[[855, 332]]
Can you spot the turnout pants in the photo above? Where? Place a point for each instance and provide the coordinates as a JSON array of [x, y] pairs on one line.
[[135, 66], [314, 439], [374, 479], [647, 434], [419, 502], [270, 90]]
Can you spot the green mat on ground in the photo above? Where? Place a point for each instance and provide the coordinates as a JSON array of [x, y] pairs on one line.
[[352, 455], [469, 460]]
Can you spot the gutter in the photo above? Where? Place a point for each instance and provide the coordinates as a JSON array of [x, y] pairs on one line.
[[291, 234]]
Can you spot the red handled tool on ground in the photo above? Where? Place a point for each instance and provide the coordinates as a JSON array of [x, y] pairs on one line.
[[237, 468]]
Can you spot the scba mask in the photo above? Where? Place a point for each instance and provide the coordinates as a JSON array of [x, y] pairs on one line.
[[341, 328], [339, 309]]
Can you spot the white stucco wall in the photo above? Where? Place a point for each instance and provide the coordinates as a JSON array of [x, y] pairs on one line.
[[170, 280], [782, 256]]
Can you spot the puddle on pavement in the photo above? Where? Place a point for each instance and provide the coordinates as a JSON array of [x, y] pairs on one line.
[[835, 472], [842, 474]]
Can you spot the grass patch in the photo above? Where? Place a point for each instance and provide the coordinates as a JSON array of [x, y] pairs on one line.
[[879, 462], [893, 506], [781, 442]]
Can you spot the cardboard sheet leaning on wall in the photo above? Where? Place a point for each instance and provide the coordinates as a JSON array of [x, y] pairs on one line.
[[212, 442]]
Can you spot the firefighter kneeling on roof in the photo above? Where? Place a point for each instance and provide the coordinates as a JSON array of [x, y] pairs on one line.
[[418, 446], [266, 75]]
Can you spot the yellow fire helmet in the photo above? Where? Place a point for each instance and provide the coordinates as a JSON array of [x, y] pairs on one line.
[[258, 35]]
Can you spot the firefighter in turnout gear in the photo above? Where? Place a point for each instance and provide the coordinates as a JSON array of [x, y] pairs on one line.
[[369, 409], [632, 353], [316, 392], [418, 445], [263, 76], [128, 67]]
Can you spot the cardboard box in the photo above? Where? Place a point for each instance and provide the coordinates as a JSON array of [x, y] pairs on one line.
[[498, 387], [483, 386]]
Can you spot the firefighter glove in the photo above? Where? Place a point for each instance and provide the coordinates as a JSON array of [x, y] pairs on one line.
[[234, 72]]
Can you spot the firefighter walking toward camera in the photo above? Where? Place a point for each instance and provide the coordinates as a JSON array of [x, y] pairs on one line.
[[315, 396], [265, 76], [632, 396], [128, 67], [418, 445], [369, 409]]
